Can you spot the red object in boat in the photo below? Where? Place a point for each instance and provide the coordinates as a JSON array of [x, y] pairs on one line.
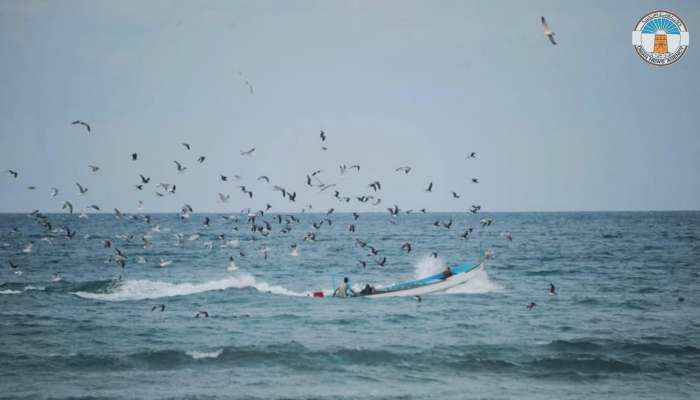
[[317, 294]]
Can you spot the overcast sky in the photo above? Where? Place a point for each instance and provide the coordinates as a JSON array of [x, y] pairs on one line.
[[584, 125]]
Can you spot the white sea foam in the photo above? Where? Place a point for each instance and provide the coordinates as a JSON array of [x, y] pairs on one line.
[[198, 355], [26, 288], [146, 289]]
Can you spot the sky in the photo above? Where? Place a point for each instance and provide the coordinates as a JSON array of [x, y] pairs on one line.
[[585, 125]]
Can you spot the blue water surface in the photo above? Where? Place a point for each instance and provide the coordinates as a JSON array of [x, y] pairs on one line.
[[617, 328]]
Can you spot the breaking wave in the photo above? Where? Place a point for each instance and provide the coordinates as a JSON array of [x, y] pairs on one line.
[[198, 355]]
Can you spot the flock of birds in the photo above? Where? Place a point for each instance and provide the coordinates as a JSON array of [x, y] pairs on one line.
[[260, 222]]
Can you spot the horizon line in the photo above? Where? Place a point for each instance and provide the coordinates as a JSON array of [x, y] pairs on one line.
[[364, 212]]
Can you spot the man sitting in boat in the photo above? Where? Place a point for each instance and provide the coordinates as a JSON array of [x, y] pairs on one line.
[[368, 290], [343, 289], [447, 273]]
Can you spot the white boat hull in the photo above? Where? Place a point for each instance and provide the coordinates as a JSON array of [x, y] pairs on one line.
[[454, 280]]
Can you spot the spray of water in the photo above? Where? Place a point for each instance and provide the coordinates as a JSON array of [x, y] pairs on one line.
[[479, 283], [427, 265]]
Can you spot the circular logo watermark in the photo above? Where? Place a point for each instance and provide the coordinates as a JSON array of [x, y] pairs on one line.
[[660, 38]]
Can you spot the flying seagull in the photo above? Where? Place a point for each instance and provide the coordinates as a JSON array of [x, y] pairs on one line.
[[201, 159], [394, 211], [69, 234], [180, 168], [405, 170], [323, 136], [246, 191], [430, 187], [78, 122], [466, 233], [13, 173], [93, 168], [82, 189], [68, 205], [224, 198], [186, 145], [548, 32], [247, 153]]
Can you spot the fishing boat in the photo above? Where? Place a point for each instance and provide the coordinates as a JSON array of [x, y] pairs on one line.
[[431, 284]]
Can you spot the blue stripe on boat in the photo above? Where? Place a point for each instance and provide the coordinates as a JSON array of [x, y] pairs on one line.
[[428, 280]]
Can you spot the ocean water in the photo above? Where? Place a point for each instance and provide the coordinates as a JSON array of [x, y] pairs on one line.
[[74, 324]]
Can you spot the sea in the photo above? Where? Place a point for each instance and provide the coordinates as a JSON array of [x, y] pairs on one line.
[[624, 323]]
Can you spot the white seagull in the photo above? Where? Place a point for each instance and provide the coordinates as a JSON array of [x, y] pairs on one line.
[[548, 32]]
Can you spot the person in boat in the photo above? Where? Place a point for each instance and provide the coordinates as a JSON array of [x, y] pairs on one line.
[[447, 273], [343, 290], [368, 289]]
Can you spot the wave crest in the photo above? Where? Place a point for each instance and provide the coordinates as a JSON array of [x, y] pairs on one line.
[[198, 355]]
